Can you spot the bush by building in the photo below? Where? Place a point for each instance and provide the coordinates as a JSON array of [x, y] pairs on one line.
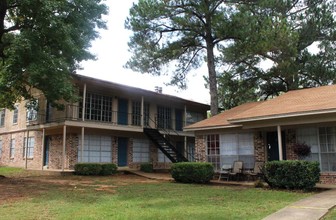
[[192, 172]]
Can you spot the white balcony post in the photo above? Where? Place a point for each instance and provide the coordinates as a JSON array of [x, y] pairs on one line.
[[84, 100], [64, 144], [280, 142]]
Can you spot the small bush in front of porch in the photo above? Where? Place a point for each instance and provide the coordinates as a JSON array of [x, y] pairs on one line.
[[192, 172], [292, 174], [108, 169], [88, 169], [147, 167]]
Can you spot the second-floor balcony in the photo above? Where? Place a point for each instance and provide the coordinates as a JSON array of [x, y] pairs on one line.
[[107, 117]]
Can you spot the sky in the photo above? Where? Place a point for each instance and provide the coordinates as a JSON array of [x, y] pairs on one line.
[[111, 51]]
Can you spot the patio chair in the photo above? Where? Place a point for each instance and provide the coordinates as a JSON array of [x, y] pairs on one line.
[[256, 171], [237, 170], [224, 172]]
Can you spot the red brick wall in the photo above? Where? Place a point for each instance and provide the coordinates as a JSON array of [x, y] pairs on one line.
[[259, 147], [56, 151], [290, 141], [328, 178], [18, 160], [200, 148]]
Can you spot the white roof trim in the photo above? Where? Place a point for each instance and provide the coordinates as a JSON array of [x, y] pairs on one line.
[[211, 128], [281, 116]]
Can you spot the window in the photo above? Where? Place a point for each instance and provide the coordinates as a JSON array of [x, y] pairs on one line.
[[97, 149], [30, 148], [136, 113], [191, 151], [2, 117], [0, 148], [327, 137], [32, 107], [164, 117], [15, 114], [141, 150], [309, 135], [213, 150], [227, 148], [12, 148], [323, 145], [193, 117], [97, 107], [162, 158], [146, 114]]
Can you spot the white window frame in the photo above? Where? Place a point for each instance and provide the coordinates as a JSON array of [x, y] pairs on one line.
[[30, 148], [141, 151], [2, 117], [15, 114], [12, 148]]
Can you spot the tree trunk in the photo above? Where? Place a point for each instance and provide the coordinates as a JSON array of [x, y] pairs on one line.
[[212, 78]]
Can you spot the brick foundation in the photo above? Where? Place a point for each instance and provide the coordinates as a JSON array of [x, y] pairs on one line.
[[328, 178]]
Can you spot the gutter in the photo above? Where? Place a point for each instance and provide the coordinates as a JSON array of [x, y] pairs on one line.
[[279, 116]]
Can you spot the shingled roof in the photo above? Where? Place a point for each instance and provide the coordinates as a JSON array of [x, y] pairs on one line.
[[293, 103], [300, 102]]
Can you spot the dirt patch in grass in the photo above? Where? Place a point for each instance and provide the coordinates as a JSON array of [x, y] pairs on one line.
[[19, 188]]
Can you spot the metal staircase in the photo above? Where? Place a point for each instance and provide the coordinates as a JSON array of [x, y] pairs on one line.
[[164, 145]]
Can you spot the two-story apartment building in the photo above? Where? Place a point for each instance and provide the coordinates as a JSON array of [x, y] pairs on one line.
[[110, 123]]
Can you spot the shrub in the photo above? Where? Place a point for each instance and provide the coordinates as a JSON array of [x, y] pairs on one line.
[[147, 167], [192, 172], [108, 169], [292, 174], [88, 169]]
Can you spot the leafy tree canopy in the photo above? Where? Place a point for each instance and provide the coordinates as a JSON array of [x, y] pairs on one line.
[[296, 39], [42, 43], [177, 36]]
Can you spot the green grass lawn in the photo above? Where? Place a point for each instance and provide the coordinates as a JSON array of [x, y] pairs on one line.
[[331, 215], [10, 171], [131, 197]]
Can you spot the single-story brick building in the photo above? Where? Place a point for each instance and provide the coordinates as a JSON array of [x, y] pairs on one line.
[[268, 130]]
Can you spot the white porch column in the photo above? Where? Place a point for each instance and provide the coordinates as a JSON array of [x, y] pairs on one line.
[[142, 111], [82, 145], [43, 148], [186, 152], [280, 142], [84, 100], [64, 144]]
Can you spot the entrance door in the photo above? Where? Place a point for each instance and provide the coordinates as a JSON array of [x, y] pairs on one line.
[[122, 112], [178, 119], [122, 152], [46, 151], [273, 146]]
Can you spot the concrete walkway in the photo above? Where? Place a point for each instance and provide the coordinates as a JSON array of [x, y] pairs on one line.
[[311, 208]]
